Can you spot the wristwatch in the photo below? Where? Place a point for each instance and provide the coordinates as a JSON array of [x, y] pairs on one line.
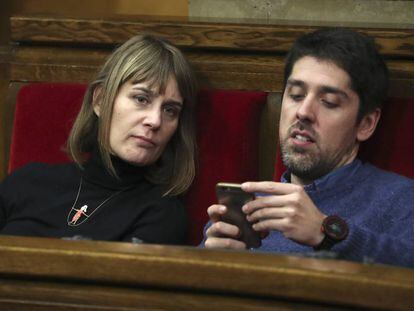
[[335, 230]]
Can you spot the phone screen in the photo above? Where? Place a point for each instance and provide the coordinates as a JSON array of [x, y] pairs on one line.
[[233, 197]]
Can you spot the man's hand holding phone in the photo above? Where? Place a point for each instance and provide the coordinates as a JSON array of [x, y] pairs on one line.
[[221, 234], [230, 227], [283, 207], [286, 208]]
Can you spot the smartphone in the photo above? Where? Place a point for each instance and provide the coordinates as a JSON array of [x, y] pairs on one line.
[[233, 197]]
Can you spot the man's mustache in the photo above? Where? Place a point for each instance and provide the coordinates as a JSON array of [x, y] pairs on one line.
[[303, 126]]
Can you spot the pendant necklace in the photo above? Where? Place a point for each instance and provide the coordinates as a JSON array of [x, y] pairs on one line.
[[78, 216]]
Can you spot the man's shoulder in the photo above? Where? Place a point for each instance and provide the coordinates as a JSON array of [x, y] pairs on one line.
[[385, 174], [377, 176]]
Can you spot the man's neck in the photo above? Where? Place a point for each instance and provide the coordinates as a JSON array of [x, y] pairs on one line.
[[303, 181], [299, 181]]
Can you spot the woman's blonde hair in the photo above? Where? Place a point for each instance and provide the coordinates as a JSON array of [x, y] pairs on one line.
[[153, 60]]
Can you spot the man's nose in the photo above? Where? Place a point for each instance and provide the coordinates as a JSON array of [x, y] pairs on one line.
[[307, 109]]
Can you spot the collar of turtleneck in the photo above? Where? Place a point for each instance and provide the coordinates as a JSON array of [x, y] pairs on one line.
[[95, 172]]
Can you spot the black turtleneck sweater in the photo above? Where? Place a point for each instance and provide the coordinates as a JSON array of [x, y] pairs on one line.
[[39, 200]]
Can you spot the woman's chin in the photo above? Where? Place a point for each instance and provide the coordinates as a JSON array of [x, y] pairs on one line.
[[135, 158], [138, 161]]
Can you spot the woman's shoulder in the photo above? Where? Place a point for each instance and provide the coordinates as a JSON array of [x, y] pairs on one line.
[[32, 171], [158, 202], [156, 195], [175, 201]]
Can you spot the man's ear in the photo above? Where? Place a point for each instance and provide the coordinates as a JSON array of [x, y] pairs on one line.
[[96, 100], [368, 124]]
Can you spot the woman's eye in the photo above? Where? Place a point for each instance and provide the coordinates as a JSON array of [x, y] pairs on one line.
[[172, 111], [141, 99]]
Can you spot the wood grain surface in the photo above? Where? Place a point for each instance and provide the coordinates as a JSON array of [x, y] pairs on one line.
[[115, 30], [165, 277]]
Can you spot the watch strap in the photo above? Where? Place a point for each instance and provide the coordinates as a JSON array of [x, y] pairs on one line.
[[335, 230], [326, 244]]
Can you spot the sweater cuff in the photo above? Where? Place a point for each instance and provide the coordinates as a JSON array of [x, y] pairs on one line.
[[354, 246]]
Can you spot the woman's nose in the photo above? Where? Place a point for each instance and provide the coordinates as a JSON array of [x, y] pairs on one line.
[[153, 118]]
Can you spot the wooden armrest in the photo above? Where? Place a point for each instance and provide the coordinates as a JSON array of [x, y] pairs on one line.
[[59, 273]]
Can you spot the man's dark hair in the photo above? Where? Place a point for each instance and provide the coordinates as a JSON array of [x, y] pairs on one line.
[[355, 53]]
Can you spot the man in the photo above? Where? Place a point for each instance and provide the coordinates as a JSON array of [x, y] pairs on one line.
[[335, 83]]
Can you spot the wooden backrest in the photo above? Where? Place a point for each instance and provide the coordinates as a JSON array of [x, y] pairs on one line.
[[225, 56]]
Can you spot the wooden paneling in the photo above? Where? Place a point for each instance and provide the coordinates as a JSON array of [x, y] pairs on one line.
[[5, 118], [72, 296], [102, 7], [215, 69], [5, 10], [4, 134], [246, 37], [124, 275], [226, 56], [219, 70]]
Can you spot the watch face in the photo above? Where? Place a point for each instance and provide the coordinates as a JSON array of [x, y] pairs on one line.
[[335, 227]]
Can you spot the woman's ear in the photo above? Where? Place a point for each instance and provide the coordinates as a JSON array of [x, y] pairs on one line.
[[96, 100], [368, 124]]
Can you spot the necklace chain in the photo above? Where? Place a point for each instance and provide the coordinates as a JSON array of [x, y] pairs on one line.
[[82, 211]]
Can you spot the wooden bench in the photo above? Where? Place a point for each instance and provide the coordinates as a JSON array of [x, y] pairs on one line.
[[46, 274], [40, 274]]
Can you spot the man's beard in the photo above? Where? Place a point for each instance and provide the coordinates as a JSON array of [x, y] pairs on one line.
[[309, 165], [305, 165]]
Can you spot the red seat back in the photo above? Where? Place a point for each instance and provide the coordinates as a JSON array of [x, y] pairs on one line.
[[227, 122], [43, 117], [392, 145], [228, 141]]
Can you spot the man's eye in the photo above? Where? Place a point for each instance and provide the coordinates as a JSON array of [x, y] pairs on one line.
[[329, 104], [296, 97]]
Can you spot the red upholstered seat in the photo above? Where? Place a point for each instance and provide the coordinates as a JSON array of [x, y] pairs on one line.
[[228, 127], [392, 145], [43, 117], [228, 141]]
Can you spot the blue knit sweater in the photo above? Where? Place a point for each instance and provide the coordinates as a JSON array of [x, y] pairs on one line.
[[378, 207]]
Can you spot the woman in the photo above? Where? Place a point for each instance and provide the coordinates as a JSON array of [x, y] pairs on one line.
[[133, 150]]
